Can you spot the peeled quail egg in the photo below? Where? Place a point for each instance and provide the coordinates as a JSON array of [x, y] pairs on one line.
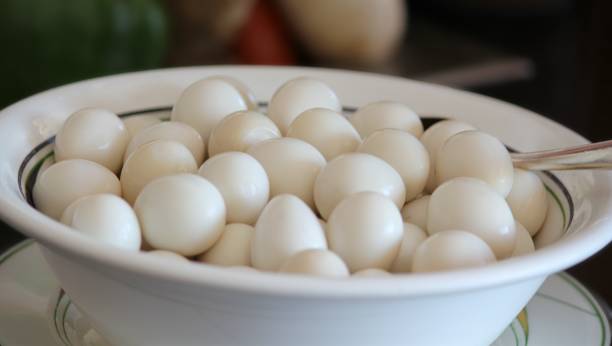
[[292, 166], [478, 155], [326, 130], [451, 249], [433, 138], [183, 213], [386, 115], [371, 272], [298, 95], [173, 131], [204, 103], [243, 183], [317, 262], [472, 205], [355, 172], [245, 92], [66, 181], [167, 254], [233, 247], [136, 123], [241, 130], [93, 134], [413, 237], [366, 231], [404, 153], [153, 160], [107, 218], [285, 227], [415, 212], [524, 243], [528, 201]]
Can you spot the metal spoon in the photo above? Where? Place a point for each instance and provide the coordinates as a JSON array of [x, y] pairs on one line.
[[588, 156]]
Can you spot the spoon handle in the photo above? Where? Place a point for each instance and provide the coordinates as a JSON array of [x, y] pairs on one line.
[[588, 156]]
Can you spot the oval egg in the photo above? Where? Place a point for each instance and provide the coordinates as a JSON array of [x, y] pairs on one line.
[[239, 131], [386, 115], [318, 262]]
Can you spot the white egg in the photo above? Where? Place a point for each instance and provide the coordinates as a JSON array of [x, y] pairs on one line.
[[524, 244], [66, 181], [413, 237], [292, 166], [386, 115], [452, 249], [243, 183], [167, 255], [326, 130], [371, 272], [433, 138], [404, 153], [233, 247], [478, 155], [204, 103], [285, 227], [356, 172], [528, 201], [93, 134], [136, 123], [298, 95], [317, 262], [239, 131], [182, 213], [472, 205], [554, 225], [366, 231], [245, 92], [172, 131], [415, 212], [153, 160], [107, 218]]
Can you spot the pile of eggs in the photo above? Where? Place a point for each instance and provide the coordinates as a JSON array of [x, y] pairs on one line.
[[302, 189]]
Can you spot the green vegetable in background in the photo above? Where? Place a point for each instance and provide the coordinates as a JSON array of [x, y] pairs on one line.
[[45, 43]]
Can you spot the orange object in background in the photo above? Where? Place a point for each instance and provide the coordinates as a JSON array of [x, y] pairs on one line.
[[264, 39]]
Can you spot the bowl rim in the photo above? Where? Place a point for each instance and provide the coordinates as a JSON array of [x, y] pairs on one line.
[[59, 238]]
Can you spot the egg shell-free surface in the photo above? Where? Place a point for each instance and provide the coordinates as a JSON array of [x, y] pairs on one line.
[[478, 155], [292, 166], [415, 212], [528, 200], [524, 244], [433, 138], [451, 249], [239, 131], [366, 231], [93, 134], [298, 95], [413, 237], [183, 213], [106, 218], [355, 172], [386, 115], [405, 153], [326, 130], [316, 262], [243, 183], [247, 94], [285, 227], [140, 122], [472, 205], [66, 181], [172, 131], [151, 161], [204, 103], [233, 248]]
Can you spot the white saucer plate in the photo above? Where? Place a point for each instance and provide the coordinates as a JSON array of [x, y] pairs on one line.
[[34, 310]]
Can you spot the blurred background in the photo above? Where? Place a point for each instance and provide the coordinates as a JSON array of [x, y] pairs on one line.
[[551, 56]]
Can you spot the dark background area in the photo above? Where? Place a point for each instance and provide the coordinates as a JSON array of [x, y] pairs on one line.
[[552, 57]]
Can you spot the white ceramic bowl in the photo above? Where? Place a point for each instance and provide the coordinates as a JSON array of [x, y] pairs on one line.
[[135, 299]]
